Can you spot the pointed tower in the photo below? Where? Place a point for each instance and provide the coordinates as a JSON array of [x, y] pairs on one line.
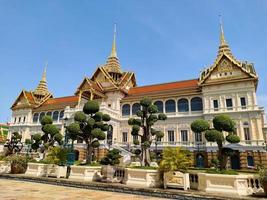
[[223, 47], [113, 65], [41, 90]]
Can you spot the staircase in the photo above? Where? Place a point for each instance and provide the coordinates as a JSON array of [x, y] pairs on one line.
[[124, 153]]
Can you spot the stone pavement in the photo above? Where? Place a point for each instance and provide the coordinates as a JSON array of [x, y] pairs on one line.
[[21, 190]]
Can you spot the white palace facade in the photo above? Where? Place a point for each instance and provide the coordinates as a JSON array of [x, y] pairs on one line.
[[227, 86]]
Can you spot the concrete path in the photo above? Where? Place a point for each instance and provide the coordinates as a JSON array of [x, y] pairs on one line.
[[20, 190]]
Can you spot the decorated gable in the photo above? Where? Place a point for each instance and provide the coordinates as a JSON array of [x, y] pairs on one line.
[[21, 101], [225, 69]]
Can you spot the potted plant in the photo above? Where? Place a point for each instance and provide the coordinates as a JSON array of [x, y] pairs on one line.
[[18, 163], [57, 157], [263, 178], [109, 161], [174, 165]]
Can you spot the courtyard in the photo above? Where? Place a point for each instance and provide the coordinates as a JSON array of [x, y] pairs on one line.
[[20, 190]]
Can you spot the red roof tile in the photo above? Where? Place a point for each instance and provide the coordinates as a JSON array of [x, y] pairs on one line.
[[164, 87], [61, 100]]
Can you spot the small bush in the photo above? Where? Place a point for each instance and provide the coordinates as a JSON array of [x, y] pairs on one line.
[[18, 163]]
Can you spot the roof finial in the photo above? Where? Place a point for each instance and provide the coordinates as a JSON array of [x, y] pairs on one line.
[[44, 73], [113, 50], [222, 39]]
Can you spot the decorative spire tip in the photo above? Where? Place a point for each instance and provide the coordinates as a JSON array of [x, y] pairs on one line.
[[113, 50]]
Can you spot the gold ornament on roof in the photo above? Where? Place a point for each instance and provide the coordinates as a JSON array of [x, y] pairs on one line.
[[225, 66], [42, 89]]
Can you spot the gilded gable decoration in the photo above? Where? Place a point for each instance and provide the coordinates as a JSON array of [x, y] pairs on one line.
[[225, 65]]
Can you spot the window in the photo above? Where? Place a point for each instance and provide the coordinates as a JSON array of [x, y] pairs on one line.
[[135, 137], [19, 119], [135, 108], [15, 119], [183, 105], [184, 136], [159, 104], [215, 105], [24, 119], [124, 137], [171, 136], [229, 104], [243, 103], [196, 104], [125, 110], [41, 116], [55, 115], [49, 113], [198, 137], [61, 114], [170, 106], [250, 161], [247, 133], [35, 117]]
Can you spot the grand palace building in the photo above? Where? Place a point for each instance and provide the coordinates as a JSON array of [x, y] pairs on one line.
[[226, 86]]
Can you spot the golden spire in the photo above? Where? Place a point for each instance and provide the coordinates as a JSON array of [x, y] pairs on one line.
[[113, 65], [224, 47], [42, 88], [113, 49], [222, 39]]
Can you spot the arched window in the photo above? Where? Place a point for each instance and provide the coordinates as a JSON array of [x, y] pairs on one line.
[[35, 117], [159, 104], [183, 105], [49, 113], [135, 108], [196, 104], [55, 115], [125, 110], [250, 161], [41, 116], [61, 114], [170, 106]]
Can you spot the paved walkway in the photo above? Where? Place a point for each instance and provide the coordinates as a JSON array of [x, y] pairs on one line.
[[20, 190]]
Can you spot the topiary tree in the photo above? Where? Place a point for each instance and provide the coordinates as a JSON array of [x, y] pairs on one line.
[[49, 138], [89, 126], [221, 123], [112, 158], [142, 127], [14, 145]]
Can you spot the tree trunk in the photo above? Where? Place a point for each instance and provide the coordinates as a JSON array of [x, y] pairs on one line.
[[145, 157], [221, 157], [89, 154]]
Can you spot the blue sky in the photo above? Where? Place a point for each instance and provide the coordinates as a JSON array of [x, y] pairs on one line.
[[161, 41]]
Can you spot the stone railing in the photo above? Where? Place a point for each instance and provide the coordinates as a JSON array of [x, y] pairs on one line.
[[254, 184], [242, 184], [193, 178]]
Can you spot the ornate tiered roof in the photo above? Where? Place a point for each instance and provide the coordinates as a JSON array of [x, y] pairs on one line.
[[110, 77], [224, 52]]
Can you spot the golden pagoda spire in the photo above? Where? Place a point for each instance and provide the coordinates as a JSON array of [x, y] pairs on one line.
[[222, 39], [42, 88], [113, 49], [224, 47], [113, 65]]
